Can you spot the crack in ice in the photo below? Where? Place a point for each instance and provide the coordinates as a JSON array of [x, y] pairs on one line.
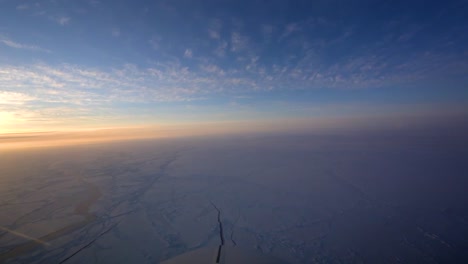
[[89, 244], [221, 234]]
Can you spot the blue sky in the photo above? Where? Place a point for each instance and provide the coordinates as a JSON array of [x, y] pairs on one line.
[[72, 64]]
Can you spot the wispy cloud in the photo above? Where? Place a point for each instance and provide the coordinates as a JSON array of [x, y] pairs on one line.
[[75, 85], [14, 98], [22, 7], [220, 51], [16, 45], [408, 34], [289, 29], [213, 34], [155, 42], [214, 30], [211, 68], [43, 93], [238, 41], [62, 20], [188, 53]]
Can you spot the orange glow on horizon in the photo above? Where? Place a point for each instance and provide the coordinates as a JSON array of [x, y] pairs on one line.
[[32, 139]]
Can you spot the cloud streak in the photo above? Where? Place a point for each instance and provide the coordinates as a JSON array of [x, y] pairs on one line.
[[214, 30], [62, 20], [238, 42], [16, 45], [188, 53], [14, 98]]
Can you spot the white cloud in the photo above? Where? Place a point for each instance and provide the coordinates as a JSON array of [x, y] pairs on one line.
[[238, 42], [173, 81], [73, 85], [188, 53], [14, 98], [220, 51], [253, 64], [13, 44], [211, 68], [289, 29], [213, 34], [214, 30], [63, 20]]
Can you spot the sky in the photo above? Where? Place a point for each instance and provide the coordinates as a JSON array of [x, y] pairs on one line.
[[72, 65]]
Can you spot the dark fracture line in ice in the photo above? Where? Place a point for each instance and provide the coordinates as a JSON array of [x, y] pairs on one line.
[[352, 187], [135, 197], [232, 238], [232, 229], [221, 235], [119, 215], [89, 244]]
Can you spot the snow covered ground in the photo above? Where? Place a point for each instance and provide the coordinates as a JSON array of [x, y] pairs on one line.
[[304, 199]]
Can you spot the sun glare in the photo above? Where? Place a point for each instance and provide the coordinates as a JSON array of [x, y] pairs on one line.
[[7, 119]]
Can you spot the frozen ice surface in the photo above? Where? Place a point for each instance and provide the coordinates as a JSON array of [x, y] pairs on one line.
[[303, 199]]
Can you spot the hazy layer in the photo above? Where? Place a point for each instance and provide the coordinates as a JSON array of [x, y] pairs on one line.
[[417, 123]]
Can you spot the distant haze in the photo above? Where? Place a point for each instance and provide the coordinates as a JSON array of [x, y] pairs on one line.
[[416, 124]]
